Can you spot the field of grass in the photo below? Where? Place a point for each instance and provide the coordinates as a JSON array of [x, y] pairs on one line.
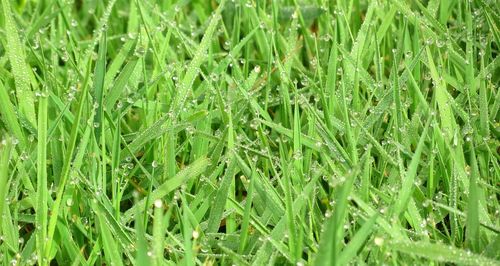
[[249, 132]]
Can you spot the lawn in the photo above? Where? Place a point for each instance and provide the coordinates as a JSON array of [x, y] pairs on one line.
[[249, 132]]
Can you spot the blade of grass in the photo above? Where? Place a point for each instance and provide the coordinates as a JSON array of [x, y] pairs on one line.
[[20, 68], [9, 116], [441, 253], [43, 246], [410, 175], [352, 248], [66, 169], [5, 155]]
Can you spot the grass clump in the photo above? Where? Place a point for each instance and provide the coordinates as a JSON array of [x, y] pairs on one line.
[[249, 132]]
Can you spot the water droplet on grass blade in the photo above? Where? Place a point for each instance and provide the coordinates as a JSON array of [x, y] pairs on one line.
[[196, 234], [378, 241], [140, 51], [158, 203]]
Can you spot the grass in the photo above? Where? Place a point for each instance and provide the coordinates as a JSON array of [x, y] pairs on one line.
[[249, 132]]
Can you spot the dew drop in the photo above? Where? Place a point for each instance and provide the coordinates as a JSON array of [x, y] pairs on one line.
[[158, 203], [378, 241], [196, 234], [69, 202]]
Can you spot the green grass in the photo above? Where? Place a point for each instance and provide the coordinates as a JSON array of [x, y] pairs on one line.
[[249, 132]]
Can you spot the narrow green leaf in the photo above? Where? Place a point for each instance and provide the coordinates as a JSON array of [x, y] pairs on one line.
[[20, 69], [441, 253]]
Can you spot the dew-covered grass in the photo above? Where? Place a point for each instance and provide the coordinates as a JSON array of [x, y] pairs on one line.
[[249, 132]]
